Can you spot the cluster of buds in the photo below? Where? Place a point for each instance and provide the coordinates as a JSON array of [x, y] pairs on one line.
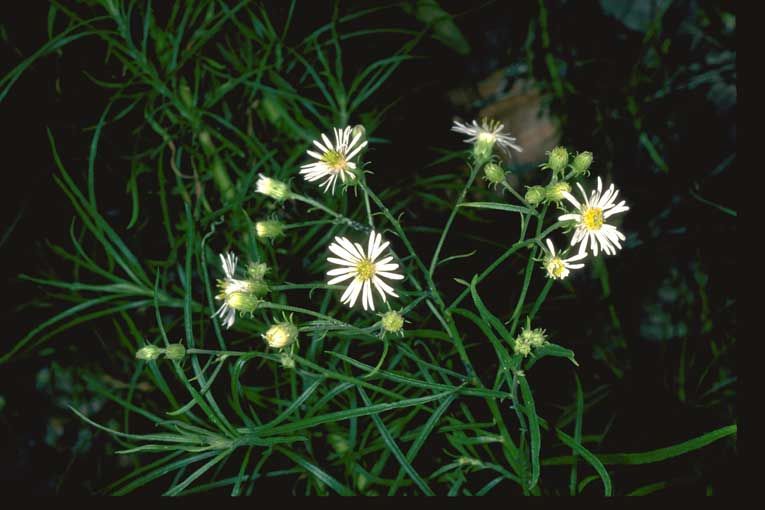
[[528, 340], [175, 352]]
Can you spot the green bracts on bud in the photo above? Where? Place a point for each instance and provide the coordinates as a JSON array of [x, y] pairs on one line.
[[392, 322], [557, 159], [281, 335], [554, 191], [535, 195], [257, 270], [175, 352], [269, 229], [277, 190], [149, 352], [581, 164], [243, 302], [493, 173]]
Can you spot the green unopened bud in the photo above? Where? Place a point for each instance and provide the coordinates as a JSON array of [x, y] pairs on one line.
[[534, 337], [175, 352], [359, 130], [149, 353], [581, 164], [339, 443], [392, 322], [243, 302], [287, 361], [493, 173], [557, 159], [271, 187], [281, 335], [269, 229], [257, 270], [535, 195], [554, 191]]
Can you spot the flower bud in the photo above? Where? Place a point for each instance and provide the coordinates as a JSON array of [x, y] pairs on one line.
[[281, 335], [493, 173], [557, 159], [358, 129], [175, 352], [243, 302], [392, 322], [581, 164], [272, 188], [554, 191], [535, 195], [257, 270], [268, 229], [149, 352], [287, 361]]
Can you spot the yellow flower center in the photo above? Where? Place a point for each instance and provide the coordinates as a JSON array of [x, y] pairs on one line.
[[335, 160], [556, 268], [365, 270], [592, 218]]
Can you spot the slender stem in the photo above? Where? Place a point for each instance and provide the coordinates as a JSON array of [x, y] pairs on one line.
[[514, 248], [364, 188], [477, 164], [445, 319], [306, 311], [516, 195], [313, 203], [216, 352], [527, 276]]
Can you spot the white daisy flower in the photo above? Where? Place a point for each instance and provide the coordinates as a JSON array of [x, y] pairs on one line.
[[590, 220], [486, 135], [364, 268], [558, 268], [235, 294], [334, 160]]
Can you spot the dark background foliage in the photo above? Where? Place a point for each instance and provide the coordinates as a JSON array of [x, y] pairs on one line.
[[648, 87]]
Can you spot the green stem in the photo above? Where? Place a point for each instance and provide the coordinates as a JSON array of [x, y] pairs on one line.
[[516, 195], [342, 219], [473, 172]]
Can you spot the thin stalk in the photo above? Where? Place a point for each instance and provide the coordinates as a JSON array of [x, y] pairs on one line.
[[477, 164]]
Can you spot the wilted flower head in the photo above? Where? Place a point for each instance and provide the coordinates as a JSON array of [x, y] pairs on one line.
[[485, 136], [237, 295], [558, 268]]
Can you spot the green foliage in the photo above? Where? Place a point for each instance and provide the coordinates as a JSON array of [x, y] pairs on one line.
[[224, 92]]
